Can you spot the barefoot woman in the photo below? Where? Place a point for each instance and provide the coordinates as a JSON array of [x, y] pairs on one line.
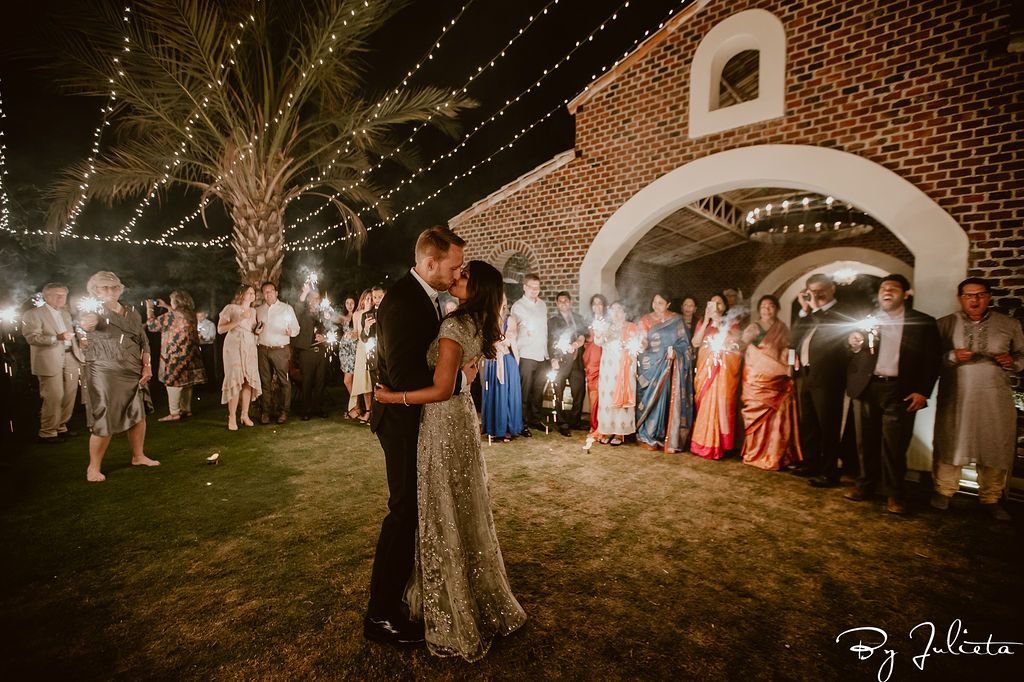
[[116, 375]]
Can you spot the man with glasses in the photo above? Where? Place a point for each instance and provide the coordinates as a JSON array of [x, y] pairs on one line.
[[976, 422]]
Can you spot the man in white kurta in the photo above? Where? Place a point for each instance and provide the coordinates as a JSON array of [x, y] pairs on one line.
[[976, 421]]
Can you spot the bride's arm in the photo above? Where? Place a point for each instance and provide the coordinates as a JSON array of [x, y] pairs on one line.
[[449, 361]]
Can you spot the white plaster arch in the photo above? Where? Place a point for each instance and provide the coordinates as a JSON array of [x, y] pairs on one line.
[[753, 29], [826, 261], [939, 245]]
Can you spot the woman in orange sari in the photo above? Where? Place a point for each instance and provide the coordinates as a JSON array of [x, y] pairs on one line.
[[771, 438], [717, 381], [592, 354]]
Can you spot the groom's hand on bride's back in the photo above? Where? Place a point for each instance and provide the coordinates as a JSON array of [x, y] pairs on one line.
[[470, 370]]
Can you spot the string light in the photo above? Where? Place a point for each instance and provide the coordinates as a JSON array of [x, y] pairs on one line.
[[304, 244], [480, 70], [105, 111], [5, 210], [501, 112]]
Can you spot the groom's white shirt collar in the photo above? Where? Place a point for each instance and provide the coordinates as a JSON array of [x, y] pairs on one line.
[[431, 292]]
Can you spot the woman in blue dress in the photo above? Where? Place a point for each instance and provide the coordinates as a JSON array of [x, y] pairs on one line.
[[502, 403], [664, 410]]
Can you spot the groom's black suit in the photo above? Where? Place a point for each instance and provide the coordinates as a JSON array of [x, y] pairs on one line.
[[407, 323]]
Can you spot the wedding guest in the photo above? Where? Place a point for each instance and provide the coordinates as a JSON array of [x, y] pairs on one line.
[[567, 333], [347, 344], [312, 357], [55, 360], [772, 437], [208, 349], [820, 341], [369, 332], [592, 354], [689, 312], [502, 401], [181, 363], [115, 375], [664, 408], [717, 382], [241, 364], [616, 411], [893, 370], [362, 384], [530, 325], [976, 422], [276, 326]]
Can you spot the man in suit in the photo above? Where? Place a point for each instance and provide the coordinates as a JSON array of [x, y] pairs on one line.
[[820, 343], [312, 356], [892, 372], [55, 359], [408, 320], [566, 334]]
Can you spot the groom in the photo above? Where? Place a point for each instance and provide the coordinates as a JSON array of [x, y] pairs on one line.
[[407, 322]]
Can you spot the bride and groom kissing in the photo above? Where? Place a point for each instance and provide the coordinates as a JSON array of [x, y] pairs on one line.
[[438, 573]]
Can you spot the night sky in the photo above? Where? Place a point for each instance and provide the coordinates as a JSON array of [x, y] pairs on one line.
[[47, 129]]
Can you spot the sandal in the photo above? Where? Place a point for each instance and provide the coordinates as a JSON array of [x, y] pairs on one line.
[[364, 418], [604, 440], [615, 441], [352, 414]]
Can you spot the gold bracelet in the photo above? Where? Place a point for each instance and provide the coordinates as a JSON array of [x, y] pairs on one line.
[[404, 394]]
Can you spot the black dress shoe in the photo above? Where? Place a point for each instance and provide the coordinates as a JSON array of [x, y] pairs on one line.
[[526, 433], [536, 426], [397, 632], [321, 414], [50, 440], [565, 430], [825, 482], [305, 417], [66, 434], [803, 471]]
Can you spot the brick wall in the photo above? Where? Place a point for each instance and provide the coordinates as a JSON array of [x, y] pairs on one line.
[[925, 89]]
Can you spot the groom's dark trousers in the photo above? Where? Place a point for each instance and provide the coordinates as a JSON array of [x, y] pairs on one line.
[[407, 323]]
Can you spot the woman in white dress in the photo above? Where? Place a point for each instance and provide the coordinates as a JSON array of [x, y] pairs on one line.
[[459, 585], [362, 385], [241, 365]]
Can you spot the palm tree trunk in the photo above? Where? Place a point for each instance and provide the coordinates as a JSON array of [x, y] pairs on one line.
[[258, 241]]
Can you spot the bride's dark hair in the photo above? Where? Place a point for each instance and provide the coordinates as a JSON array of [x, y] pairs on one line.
[[485, 289]]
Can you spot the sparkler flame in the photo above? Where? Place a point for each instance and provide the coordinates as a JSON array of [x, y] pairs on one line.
[[634, 344], [8, 315], [312, 279], [90, 304], [331, 337], [563, 344], [551, 375], [38, 300], [600, 326], [371, 344]]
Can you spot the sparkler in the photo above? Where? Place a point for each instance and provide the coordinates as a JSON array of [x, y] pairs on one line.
[[634, 344], [551, 375], [600, 327], [331, 338], [371, 345], [869, 325], [563, 344], [9, 315], [589, 444], [312, 279], [90, 304], [37, 299]]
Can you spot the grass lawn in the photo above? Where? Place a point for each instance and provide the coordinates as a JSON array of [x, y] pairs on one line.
[[630, 565]]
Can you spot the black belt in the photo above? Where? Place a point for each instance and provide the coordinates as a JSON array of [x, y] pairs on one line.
[[274, 347], [879, 377], [69, 350]]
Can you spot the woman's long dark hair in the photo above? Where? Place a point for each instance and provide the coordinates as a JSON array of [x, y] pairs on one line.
[[485, 289]]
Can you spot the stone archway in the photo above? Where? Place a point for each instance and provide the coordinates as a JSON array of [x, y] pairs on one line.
[[939, 245]]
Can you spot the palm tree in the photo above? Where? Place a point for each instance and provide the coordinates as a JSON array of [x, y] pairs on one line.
[[251, 104]]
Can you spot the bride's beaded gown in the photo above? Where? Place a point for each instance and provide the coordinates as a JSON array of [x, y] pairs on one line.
[[459, 585]]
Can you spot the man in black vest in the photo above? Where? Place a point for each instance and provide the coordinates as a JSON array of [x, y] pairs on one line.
[[566, 333], [821, 353], [407, 322], [893, 370]]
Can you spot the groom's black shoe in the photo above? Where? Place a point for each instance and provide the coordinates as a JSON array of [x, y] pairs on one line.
[[398, 631], [563, 429]]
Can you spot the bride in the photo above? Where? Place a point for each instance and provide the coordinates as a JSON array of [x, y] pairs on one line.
[[458, 586]]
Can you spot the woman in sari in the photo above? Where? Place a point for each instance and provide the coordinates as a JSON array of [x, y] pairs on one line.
[[771, 438], [592, 354], [717, 381], [616, 416], [664, 410]]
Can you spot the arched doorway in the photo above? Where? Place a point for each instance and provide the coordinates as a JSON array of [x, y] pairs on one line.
[[939, 245]]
